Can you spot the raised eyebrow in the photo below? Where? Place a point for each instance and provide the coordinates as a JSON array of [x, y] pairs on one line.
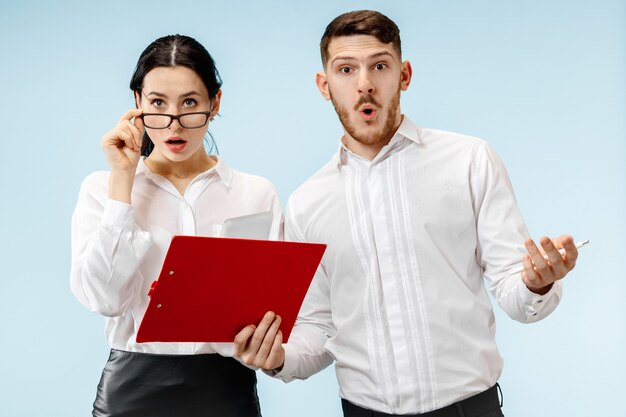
[[190, 93], [342, 58], [375, 56], [382, 53], [154, 93]]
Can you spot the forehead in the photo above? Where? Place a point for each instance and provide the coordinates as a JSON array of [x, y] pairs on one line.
[[172, 80], [359, 47]]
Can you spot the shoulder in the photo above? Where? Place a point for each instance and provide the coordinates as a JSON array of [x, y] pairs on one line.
[[94, 189], [252, 183], [446, 138], [257, 180], [326, 174], [317, 188], [454, 148], [96, 182]]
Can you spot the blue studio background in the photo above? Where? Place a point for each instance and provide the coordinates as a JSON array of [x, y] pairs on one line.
[[543, 81]]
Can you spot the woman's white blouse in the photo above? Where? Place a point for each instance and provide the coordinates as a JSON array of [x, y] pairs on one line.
[[118, 249]]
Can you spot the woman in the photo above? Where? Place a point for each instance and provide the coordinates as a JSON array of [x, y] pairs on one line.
[[162, 182]]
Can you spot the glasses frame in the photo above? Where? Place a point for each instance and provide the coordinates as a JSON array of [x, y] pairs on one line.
[[177, 117]]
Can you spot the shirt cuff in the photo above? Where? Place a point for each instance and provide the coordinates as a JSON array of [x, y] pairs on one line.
[[289, 366], [536, 302], [118, 214]]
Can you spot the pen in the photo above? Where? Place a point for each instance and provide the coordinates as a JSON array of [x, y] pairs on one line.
[[520, 267]]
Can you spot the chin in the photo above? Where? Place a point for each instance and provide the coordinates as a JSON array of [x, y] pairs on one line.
[[371, 132], [177, 157], [181, 156]]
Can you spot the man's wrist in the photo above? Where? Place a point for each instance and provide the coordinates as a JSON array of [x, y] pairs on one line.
[[542, 290], [275, 371]]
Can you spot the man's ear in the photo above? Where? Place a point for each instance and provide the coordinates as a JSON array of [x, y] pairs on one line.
[[322, 84], [405, 75]]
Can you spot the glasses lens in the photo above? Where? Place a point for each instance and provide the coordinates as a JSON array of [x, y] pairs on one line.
[[192, 121], [156, 121]]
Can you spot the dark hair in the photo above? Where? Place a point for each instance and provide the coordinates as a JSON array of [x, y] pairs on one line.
[[171, 51], [361, 22]]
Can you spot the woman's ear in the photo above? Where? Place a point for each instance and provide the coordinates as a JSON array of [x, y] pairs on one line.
[[137, 99], [215, 104]]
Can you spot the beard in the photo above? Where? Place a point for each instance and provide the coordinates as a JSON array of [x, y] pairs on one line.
[[382, 136]]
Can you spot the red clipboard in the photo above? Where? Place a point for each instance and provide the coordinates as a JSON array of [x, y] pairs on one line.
[[211, 288]]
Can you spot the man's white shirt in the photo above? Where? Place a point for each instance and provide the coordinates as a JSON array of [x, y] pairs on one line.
[[399, 300]]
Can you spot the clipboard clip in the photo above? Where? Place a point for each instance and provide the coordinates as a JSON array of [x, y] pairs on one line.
[[153, 287]]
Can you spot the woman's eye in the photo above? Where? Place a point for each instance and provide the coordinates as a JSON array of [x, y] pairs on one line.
[[189, 102], [158, 103]]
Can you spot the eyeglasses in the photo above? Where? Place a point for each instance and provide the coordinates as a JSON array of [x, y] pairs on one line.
[[193, 120]]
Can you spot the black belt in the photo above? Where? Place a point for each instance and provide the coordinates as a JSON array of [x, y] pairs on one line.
[[474, 406]]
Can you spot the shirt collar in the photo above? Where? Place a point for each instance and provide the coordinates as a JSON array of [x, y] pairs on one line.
[[222, 169], [406, 130]]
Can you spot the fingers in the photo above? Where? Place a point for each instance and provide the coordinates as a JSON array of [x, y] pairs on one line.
[[125, 133], [544, 265], [126, 138], [275, 359], [537, 257], [130, 114], [241, 340], [571, 252], [260, 333], [537, 274], [119, 138], [555, 259], [135, 128], [261, 345], [529, 275], [130, 129], [268, 341], [138, 122]]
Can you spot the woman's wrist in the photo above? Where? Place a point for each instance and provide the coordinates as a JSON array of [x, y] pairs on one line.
[[121, 186]]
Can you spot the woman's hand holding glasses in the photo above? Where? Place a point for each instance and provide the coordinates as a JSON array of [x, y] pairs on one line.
[[122, 150]]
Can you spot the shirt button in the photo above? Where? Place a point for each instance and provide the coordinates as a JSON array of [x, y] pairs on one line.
[[539, 301], [534, 314]]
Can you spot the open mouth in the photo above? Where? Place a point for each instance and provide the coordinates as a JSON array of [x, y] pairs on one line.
[[176, 141], [368, 113], [176, 144]]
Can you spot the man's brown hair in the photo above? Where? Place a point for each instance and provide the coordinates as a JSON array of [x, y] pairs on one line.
[[361, 22]]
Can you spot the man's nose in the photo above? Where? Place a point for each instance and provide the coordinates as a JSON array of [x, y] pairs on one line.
[[365, 84]]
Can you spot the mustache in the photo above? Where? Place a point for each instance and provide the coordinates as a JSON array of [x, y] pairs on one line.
[[366, 99]]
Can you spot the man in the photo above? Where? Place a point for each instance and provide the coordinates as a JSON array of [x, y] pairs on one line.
[[414, 219]]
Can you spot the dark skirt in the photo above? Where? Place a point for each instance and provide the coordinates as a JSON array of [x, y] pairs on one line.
[[149, 385]]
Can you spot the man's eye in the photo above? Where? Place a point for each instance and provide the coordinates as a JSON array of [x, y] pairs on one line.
[[381, 66], [189, 102], [345, 70]]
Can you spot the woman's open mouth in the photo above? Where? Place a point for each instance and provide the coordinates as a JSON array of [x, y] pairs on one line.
[[176, 144]]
